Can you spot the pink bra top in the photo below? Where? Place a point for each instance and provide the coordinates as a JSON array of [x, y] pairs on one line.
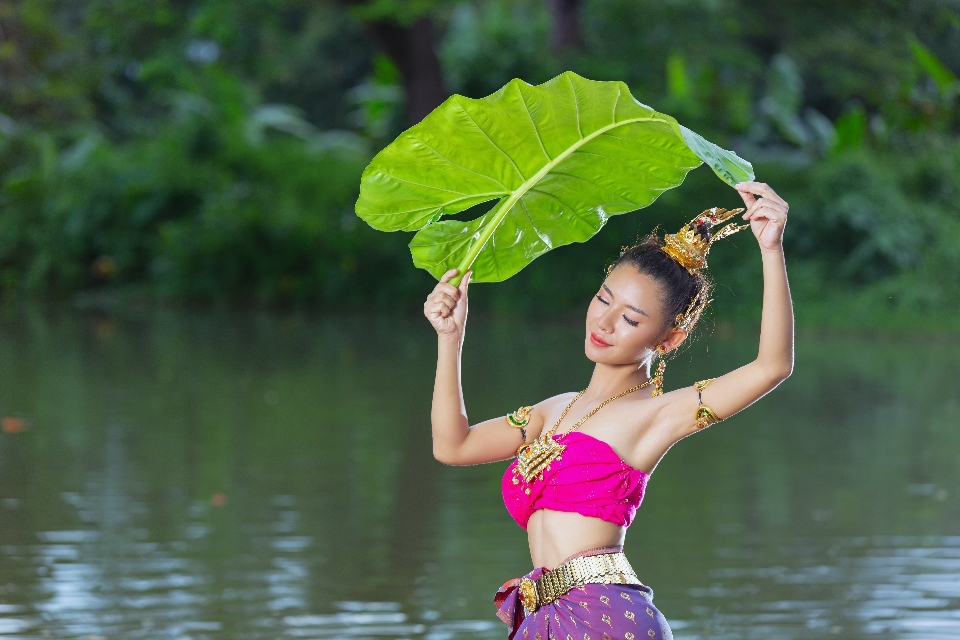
[[589, 479]]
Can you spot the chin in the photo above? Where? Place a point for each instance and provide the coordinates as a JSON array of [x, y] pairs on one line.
[[602, 355], [590, 351]]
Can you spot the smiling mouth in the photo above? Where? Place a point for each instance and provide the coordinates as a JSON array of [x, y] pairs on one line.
[[597, 341]]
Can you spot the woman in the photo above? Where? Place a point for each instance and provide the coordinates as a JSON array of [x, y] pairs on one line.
[[578, 479]]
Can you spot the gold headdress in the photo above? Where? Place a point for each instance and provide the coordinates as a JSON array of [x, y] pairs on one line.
[[691, 244], [694, 310], [690, 247]]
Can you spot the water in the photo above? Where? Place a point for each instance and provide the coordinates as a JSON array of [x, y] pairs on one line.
[[219, 475]]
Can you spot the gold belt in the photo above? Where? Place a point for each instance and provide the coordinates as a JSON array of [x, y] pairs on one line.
[[605, 568]]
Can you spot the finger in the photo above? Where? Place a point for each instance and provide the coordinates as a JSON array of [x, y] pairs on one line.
[[441, 309], [438, 297], [446, 300], [448, 289], [748, 199], [465, 283], [766, 203], [446, 277], [768, 214], [770, 205], [762, 189], [753, 208], [763, 210]]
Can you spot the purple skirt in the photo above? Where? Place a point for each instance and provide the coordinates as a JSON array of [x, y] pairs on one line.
[[590, 612]]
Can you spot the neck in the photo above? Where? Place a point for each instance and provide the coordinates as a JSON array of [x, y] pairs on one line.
[[609, 380]]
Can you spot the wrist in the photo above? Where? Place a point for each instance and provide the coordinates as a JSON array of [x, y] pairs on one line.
[[454, 339], [776, 251]]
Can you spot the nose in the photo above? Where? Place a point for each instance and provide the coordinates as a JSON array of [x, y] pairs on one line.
[[607, 321]]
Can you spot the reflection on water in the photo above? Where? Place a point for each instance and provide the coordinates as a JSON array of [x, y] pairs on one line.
[[183, 475]]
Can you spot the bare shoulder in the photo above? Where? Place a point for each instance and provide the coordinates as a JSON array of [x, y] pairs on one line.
[[547, 410], [555, 404]]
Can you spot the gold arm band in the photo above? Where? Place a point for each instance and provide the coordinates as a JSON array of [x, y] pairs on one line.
[[606, 568], [519, 418], [705, 417]]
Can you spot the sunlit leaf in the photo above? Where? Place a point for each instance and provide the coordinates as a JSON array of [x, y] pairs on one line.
[[561, 158]]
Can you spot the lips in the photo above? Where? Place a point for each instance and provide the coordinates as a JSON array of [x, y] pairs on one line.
[[597, 341]]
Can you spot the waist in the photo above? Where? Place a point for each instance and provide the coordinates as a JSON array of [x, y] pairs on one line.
[[602, 565], [557, 536]]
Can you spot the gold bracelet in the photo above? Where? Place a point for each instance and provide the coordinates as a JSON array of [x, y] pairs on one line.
[[705, 415], [520, 419]]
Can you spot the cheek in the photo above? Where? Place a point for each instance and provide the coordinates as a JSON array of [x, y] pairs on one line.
[[638, 339], [594, 309]]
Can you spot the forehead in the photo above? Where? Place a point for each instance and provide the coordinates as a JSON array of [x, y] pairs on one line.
[[632, 287]]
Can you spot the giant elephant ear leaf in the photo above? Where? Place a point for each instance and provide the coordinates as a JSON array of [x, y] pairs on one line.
[[561, 158]]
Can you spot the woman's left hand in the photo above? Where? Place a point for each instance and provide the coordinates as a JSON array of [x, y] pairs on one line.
[[767, 214]]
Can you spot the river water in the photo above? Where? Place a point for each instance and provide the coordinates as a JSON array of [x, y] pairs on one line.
[[181, 474]]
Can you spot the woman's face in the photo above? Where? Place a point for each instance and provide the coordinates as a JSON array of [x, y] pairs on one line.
[[625, 320]]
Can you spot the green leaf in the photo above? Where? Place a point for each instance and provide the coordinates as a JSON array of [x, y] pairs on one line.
[[561, 158], [942, 75]]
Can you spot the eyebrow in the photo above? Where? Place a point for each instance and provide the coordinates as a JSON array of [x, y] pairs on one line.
[[628, 306]]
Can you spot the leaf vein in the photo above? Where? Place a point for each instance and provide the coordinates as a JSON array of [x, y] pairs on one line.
[[490, 140], [427, 186], [576, 105], [575, 213], [596, 184], [448, 202], [616, 103], [535, 130], [459, 165], [621, 162], [642, 144], [545, 241]]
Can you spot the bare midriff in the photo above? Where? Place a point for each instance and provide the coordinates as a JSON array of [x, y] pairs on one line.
[[556, 535]]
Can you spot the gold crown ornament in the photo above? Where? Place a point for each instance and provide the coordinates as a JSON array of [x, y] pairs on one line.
[[691, 244], [694, 310]]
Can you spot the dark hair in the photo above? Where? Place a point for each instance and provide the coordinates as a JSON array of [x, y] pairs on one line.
[[678, 287]]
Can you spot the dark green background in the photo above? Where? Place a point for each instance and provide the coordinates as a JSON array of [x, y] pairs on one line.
[[198, 151]]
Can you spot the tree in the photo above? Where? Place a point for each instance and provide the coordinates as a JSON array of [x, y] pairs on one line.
[[405, 33], [566, 24]]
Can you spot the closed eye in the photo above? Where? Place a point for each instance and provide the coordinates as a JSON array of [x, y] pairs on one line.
[[630, 322], [600, 298]]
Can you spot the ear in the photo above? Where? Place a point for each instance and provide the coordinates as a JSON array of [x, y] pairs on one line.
[[674, 338]]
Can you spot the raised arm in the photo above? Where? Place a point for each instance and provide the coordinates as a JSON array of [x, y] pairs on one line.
[[455, 442], [740, 388]]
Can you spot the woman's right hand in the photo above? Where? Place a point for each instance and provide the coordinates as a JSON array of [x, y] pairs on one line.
[[446, 306]]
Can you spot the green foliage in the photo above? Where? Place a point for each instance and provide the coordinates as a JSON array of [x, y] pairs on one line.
[[207, 150], [488, 44], [404, 12], [946, 80], [224, 201], [561, 157]]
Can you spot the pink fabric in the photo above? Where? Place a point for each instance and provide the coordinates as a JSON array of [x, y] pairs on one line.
[[590, 479]]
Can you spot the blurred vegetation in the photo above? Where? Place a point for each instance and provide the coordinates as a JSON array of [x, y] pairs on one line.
[[197, 150]]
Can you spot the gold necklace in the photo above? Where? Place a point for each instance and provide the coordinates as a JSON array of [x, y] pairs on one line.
[[535, 458]]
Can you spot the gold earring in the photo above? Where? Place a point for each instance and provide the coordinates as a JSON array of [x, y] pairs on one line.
[[658, 376]]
